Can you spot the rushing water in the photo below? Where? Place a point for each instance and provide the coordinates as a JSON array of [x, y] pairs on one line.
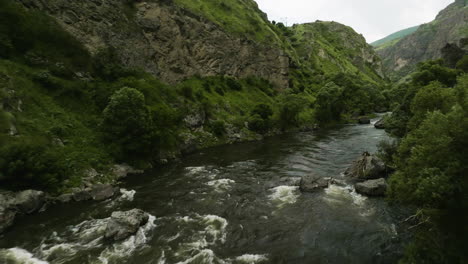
[[228, 205]]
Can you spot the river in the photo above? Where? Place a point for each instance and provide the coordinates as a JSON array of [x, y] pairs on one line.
[[229, 205]]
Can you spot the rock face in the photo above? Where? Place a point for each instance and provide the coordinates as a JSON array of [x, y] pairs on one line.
[[314, 183], [165, 40], [367, 167], [372, 187], [124, 224], [427, 42]]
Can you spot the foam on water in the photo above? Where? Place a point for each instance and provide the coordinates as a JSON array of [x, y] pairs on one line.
[[343, 194], [127, 195], [221, 185], [20, 256], [283, 195], [251, 259]]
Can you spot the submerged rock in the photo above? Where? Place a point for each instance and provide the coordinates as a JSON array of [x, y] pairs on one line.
[[367, 167], [124, 224], [30, 201], [313, 183], [372, 187]]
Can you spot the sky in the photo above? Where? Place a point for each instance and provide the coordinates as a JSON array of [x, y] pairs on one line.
[[375, 19]]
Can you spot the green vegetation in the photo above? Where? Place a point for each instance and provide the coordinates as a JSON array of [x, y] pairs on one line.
[[430, 162], [392, 39]]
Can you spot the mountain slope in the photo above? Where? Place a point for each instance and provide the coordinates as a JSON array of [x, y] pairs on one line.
[[330, 47], [450, 26], [392, 39]]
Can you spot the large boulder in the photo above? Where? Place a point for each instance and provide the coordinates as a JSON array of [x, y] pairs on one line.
[[80, 195], [102, 192], [372, 187], [30, 201], [380, 124], [124, 224], [313, 183], [367, 167]]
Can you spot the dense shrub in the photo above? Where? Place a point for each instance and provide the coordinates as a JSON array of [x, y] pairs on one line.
[[263, 110], [290, 108], [218, 127], [31, 163], [259, 124]]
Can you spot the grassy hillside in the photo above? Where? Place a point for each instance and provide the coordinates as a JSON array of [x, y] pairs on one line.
[[393, 38]]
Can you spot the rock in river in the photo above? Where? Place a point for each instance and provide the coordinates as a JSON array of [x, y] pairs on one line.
[[124, 224], [367, 167], [372, 187], [364, 121], [380, 124], [30, 201]]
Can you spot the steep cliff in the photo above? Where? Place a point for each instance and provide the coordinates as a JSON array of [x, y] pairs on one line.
[[450, 26], [166, 40]]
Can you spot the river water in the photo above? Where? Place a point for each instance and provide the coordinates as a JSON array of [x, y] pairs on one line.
[[229, 204]]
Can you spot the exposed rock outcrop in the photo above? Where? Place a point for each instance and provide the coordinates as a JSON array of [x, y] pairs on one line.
[[124, 224], [367, 167], [166, 40], [372, 187]]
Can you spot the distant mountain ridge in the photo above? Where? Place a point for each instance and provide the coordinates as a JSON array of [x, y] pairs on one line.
[[394, 38], [449, 27]]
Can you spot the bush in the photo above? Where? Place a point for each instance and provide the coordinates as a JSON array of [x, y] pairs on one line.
[[218, 128], [258, 124], [233, 84], [263, 110]]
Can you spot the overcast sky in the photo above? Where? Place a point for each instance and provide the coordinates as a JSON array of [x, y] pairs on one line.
[[374, 19]]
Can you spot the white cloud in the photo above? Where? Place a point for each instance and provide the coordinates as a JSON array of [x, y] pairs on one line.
[[374, 19]]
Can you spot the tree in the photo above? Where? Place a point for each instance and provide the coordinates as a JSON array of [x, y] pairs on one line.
[[127, 123]]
